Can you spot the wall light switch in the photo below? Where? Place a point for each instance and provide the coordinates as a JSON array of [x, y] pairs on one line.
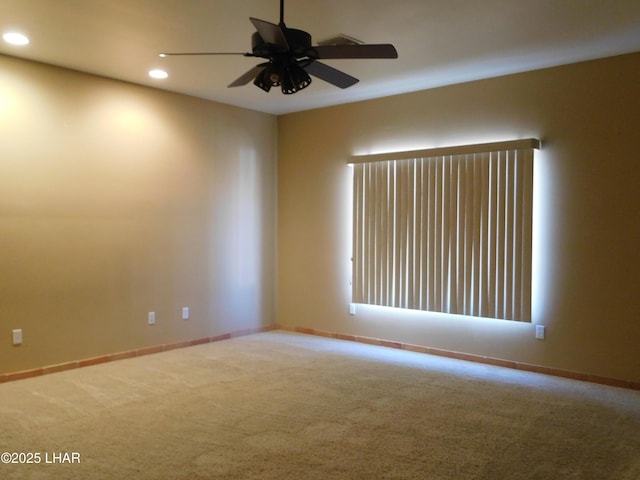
[[352, 309], [17, 336], [540, 332], [185, 313], [152, 318]]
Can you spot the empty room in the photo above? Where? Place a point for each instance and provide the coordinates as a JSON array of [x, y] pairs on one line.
[[307, 240]]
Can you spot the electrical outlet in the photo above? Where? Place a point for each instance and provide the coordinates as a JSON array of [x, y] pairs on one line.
[[151, 317], [540, 332], [185, 313], [17, 336]]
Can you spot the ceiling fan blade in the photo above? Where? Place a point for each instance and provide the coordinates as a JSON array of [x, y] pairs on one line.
[[330, 74], [270, 32], [248, 76], [205, 53], [383, 50]]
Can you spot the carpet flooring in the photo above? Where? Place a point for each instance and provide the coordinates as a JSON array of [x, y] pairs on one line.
[[282, 405]]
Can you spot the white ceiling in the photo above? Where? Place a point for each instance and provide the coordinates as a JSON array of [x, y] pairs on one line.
[[439, 42]]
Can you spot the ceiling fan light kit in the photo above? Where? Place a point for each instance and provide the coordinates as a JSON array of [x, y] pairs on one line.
[[292, 59]]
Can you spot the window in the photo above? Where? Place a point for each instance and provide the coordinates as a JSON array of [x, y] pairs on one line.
[[446, 230]]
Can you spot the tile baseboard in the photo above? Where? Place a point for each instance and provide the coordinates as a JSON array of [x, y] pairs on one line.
[[86, 362], [556, 372]]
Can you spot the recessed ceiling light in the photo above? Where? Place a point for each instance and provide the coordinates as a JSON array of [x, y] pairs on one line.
[[160, 74], [15, 38]]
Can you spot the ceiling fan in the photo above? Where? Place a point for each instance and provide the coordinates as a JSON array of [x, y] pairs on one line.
[[291, 58]]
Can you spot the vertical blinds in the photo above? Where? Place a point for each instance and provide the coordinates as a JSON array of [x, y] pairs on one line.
[[446, 230]]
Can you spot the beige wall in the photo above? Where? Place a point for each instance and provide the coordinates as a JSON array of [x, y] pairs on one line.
[[116, 200], [587, 226]]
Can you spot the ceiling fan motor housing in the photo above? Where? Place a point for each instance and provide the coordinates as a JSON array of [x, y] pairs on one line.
[[299, 45]]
